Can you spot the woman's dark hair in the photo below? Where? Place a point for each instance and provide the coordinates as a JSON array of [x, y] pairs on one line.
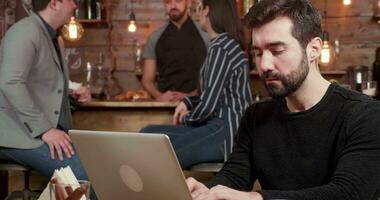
[[224, 18], [306, 19]]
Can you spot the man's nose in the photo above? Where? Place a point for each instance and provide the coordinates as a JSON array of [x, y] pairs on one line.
[[172, 4], [266, 62]]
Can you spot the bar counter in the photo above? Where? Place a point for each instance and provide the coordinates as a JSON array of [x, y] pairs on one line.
[[129, 116]]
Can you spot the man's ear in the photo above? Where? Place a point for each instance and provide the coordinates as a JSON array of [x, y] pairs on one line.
[[314, 48], [52, 4]]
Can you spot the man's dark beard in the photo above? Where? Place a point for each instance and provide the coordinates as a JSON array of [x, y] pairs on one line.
[[177, 17], [290, 82]]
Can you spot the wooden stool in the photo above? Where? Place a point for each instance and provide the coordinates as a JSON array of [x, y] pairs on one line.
[[26, 193], [207, 167]]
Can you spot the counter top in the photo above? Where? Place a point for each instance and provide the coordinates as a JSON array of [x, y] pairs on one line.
[[130, 104]]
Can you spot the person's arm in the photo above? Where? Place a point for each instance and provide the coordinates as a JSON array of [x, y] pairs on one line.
[[149, 78], [219, 69], [19, 49], [356, 174]]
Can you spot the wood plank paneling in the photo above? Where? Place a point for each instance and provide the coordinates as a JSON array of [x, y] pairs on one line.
[[353, 26]]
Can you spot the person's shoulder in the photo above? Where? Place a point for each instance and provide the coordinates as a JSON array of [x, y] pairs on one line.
[[226, 42], [26, 28], [158, 32], [355, 103], [26, 25], [353, 97]]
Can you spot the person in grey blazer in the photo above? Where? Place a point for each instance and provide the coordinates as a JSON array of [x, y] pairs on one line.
[[34, 96]]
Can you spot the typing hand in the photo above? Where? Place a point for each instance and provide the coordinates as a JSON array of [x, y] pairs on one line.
[[220, 192], [196, 188], [73, 195], [179, 113], [59, 141], [82, 94]]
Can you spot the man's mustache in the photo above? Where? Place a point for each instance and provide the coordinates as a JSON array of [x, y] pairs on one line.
[[173, 9], [269, 75]]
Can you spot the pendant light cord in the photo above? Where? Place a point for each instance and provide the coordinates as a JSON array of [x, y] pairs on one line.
[[325, 15]]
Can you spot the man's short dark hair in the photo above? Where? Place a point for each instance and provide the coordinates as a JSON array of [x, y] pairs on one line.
[[305, 17], [39, 5]]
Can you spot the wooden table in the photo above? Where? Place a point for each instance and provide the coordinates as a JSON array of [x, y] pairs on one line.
[[128, 116]]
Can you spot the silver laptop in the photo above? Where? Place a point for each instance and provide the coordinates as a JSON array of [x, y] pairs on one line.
[[130, 166]]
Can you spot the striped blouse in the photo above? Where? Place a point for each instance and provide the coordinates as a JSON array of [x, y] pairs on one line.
[[224, 86]]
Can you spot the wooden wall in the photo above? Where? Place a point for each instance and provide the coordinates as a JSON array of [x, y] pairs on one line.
[[353, 26]]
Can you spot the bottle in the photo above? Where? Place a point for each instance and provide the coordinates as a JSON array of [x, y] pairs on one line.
[[376, 68], [138, 58], [90, 9], [88, 75], [80, 11], [93, 8], [98, 79], [99, 7]]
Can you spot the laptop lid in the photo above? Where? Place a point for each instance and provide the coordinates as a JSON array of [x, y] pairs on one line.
[[134, 166]]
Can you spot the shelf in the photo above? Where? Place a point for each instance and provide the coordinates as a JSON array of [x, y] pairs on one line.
[[93, 23], [130, 104]]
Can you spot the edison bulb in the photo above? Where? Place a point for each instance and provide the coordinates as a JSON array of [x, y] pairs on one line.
[[325, 53], [346, 2], [132, 26], [73, 31]]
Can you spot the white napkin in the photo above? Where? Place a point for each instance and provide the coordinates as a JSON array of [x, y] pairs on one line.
[[63, 175]]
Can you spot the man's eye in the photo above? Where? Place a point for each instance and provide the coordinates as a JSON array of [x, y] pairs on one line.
[[257, 53], [277, 52]]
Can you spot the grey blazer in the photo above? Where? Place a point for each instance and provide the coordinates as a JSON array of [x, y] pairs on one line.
[[31, 84]]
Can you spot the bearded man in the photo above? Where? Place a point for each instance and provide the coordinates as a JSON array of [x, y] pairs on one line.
[[174, 54], [314, 140]]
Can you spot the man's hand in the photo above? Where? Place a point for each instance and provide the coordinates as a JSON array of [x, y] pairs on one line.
[[196, 188], [72, 195], [168, 96], [82, 94], [179, 113], [59, 141], [220, 192]]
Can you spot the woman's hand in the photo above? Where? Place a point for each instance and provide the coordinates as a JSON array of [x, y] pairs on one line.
[[179, 113]]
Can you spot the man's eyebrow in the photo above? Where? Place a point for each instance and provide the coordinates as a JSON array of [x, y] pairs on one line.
[[270, 45]]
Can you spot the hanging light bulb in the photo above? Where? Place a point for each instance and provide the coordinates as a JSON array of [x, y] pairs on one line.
[[73, 31], [346, 2], [132, 23], [326, 51], [132, 20]]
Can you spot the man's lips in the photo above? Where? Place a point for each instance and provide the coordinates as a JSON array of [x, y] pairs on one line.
[[271, 79]]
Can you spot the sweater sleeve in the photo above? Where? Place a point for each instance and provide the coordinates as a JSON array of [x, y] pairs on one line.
[[357, 170], [219, 68], [237, 172]]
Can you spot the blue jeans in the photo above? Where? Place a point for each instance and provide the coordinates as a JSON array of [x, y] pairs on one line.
[[39, 160], [195, 144]]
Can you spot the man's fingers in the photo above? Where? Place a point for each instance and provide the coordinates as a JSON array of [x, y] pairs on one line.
[[68, 138], [59, 193], [77, 194], [51, 149], [68, 148], [59, 151], [69, 190]]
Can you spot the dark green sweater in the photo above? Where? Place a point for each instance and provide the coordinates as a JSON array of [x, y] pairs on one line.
[[329, 152]]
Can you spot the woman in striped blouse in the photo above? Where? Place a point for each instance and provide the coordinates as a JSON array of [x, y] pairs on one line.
[[205, 125]]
